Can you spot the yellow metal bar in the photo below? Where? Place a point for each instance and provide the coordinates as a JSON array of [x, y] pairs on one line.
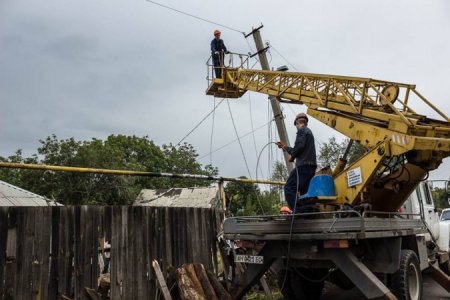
[[431, 105], [314, 90], [346, 95], [407, 121], [132, 173]]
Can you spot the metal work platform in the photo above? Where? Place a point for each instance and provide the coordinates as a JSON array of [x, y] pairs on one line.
[[220, 89], [330, 225]]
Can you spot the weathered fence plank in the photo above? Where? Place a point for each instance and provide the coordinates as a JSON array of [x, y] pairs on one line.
[[11, 254], [3, 241], [53, 252]]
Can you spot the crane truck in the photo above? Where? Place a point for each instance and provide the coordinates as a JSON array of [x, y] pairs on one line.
[[359, 237]]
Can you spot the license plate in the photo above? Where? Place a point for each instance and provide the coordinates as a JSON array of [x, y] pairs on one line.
[[249, 259]]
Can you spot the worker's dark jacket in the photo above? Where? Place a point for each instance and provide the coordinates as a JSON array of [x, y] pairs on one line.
[[217, 45], [304, 150]]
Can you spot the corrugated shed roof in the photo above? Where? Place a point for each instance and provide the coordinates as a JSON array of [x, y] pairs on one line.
[[11, 195], [179, 197]]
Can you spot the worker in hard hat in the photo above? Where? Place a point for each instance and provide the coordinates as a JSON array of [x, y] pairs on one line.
[[304, 154], [218, 50]]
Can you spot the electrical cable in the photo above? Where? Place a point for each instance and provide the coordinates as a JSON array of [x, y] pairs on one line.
[[212, 134], [275, 49], [259, 157], [256, 174], [195, 17], [253, 130], [235, 140], [290, 230], [239, 140], [199, 123]]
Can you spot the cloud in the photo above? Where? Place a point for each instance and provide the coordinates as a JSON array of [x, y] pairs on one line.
[[89, 69]]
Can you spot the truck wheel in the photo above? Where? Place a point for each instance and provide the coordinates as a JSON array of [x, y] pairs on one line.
[[406, 283]]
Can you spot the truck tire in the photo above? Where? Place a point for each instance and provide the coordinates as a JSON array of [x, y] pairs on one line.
[[406, 283]]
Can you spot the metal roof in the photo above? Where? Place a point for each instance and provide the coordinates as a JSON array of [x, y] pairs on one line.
[[11, 195], [179, 197]]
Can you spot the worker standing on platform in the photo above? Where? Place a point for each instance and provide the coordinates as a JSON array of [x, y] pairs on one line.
[[304, 154], [218, 50]]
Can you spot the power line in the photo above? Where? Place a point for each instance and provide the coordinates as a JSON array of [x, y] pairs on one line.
[[239, 140], [278, 52], [212, 134], [231, 142], [253, 129], [194, 16], [199, 123]]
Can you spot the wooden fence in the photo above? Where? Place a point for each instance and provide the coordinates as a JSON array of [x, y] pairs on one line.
[[53, 252]]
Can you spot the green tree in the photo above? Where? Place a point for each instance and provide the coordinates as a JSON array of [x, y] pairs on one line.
[[246, 199], [276, 193], [116, 152], [440, 197], [182, 160], [331, 151]]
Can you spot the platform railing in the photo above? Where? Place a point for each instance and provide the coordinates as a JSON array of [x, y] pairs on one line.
[[227, 60]]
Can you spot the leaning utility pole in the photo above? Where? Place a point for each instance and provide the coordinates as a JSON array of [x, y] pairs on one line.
[[278, 115]]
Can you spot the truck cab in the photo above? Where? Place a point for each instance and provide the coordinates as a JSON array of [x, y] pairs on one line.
[[421, 202]]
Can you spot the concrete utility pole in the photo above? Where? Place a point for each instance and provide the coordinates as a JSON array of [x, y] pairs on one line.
[[278, 115]]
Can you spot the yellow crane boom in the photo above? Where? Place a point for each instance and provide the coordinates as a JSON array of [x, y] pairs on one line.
[[402, 144]]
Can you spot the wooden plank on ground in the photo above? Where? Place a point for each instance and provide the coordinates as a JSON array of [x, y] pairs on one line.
[[161, 281], [204, 281], [193, 276], [185, 285], [220, 291]]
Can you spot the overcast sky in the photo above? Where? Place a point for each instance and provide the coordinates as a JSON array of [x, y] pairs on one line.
[[89, 69]]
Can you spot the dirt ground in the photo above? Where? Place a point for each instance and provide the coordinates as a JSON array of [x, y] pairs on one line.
[[432, 291]]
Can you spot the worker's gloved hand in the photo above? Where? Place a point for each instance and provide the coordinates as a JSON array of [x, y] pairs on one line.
[[227, 52], [280, 145], [216, 53], [291, 158]]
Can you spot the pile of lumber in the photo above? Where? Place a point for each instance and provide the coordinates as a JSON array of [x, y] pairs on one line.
[[196, 283]]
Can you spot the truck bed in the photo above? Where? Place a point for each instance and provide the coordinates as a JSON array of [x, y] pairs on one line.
[[324, 226]]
